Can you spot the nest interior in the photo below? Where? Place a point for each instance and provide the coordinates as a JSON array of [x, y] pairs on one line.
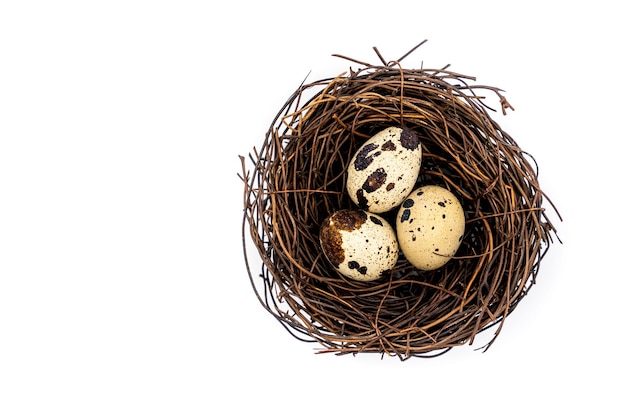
[[298, 177]]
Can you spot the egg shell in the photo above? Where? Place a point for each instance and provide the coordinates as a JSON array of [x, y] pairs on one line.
[[384, 169], [430, 225], [359, 244]]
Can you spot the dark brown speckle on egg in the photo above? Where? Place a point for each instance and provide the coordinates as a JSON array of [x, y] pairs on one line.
[[330, 237], [353, 265], [362, 200], [331, 242], [375, 180], [409, 139], [363, 159], [388, 146], [405, 215], [349, 220]]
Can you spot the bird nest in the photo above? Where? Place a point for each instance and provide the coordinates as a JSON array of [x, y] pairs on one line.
[[298, 178]]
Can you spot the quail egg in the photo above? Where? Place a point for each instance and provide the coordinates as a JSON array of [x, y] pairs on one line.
[[359, 244], [384, 169], [430, 225]]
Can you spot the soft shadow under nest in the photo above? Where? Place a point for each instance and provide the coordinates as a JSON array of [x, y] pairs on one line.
[[298, 178]]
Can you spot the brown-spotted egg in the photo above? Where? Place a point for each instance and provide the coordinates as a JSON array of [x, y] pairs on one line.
[[384, 169], [360, 245], [430, 225]]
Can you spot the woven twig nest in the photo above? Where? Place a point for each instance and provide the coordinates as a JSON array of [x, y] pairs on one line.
[[298, 177]]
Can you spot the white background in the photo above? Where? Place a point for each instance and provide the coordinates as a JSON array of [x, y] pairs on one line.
[[123, 291]]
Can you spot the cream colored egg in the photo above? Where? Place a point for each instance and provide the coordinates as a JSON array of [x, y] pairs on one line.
[[360, 245], [430, 226], [384, 169]]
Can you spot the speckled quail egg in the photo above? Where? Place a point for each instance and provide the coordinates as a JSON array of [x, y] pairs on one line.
[[430, 225], [360, 245], [384, 169]]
